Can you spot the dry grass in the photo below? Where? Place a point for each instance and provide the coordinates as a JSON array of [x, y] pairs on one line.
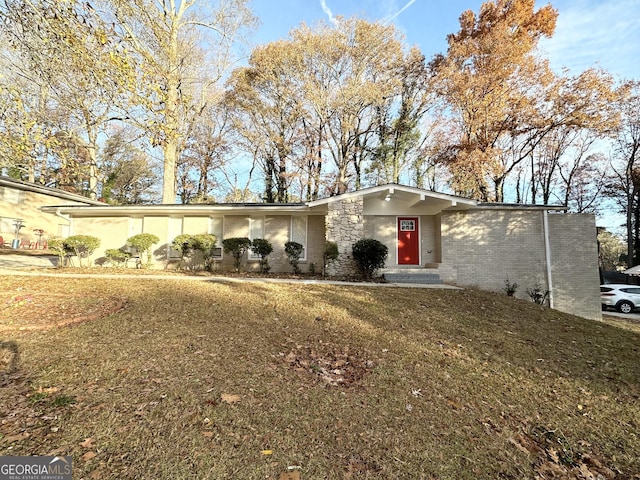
[[210, 380]]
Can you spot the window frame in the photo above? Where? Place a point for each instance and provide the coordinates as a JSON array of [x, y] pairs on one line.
[[255, 219], [292, 230], [218, 232]]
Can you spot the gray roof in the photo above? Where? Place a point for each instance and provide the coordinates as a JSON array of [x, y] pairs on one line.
[[52, 192]]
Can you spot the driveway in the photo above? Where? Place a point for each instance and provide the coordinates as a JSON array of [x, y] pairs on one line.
[[629, 316]]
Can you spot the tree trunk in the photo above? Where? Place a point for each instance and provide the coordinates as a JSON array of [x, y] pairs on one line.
[[169, 176]]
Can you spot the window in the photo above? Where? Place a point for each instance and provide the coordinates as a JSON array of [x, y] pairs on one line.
[[299, 233], [407, 225], [174, 229], [256, 230], [215, 228], [63, 230], [135, 225], [7, 224]]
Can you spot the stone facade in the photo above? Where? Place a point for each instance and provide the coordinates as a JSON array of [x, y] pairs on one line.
[[344, 225]]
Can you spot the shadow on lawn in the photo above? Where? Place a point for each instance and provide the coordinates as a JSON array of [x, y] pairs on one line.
[[9, 360], [499, 329]]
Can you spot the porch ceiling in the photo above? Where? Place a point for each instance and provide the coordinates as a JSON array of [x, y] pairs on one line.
[[403, 201]]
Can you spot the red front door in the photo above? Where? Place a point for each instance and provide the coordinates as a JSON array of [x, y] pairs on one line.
[[408, 241]]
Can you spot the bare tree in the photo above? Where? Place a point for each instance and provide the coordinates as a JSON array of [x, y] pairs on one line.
[[625, 186], [180, 50]]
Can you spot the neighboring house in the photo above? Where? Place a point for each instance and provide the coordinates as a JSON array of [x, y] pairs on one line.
[[22, 200], [456, 240]]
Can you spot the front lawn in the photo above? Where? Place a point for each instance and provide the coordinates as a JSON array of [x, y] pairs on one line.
[[168, 379]]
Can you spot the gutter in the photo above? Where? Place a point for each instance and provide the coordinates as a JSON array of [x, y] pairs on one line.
[[66, 218], [547, 254]]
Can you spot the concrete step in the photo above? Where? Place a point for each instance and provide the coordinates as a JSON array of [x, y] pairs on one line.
[[420, 276]]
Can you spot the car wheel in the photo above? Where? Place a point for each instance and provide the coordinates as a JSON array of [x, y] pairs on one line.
[[625, 307]]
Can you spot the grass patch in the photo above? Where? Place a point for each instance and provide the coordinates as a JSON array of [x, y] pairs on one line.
[[211, 380]]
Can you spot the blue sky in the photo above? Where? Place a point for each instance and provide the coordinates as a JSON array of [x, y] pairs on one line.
[[589, 32]]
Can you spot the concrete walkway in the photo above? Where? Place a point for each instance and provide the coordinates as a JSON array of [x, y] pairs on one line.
[[27, 265]]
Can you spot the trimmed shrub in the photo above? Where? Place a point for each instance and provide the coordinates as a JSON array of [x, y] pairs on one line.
[[237, 247], [294, 252], [143, 243], [204, 243], [82, 246], [262, 248], [117, 256], [185, 245], [330, 254], [369, 255], [56, 245]]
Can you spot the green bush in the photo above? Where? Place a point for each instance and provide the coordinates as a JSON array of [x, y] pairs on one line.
[[263, 249], [81, 246], [143, 243], [236, 246], [187, 244], [184, 244], [117, 256], [330, 254], [369, 255], [294, 252], [56, 245], [204, 243]]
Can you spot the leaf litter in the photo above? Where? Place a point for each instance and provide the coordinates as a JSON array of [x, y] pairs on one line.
[[471, 414]]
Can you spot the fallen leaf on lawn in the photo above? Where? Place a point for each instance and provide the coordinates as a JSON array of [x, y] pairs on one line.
[[16, 438], [229, 398], [87, 443], [56, 453], [267, 452], [294, 475], [88, 456], [519, 445], [48, 390]]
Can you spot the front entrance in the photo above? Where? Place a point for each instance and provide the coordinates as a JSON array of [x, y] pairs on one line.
[[408, 241]]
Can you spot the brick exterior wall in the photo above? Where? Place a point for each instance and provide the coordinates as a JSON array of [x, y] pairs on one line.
[[344, 225], [574, 257], [482, 248]]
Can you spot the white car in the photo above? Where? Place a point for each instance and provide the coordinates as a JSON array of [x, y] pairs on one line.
[[624, 298]]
